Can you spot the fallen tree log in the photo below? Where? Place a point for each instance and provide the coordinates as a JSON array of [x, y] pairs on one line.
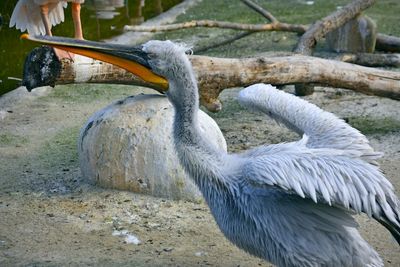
[[376, 60], [364, 59], [216, 74], [387, 43], [278, 26], [320, 28]]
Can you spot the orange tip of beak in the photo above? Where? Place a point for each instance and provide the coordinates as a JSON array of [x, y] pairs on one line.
[[24, 36]]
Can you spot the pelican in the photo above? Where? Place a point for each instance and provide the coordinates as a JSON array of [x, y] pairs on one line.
[[291, 203], [38, 16]]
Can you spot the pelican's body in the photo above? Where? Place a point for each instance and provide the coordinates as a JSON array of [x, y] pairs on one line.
[[290, 203], [287, 203], [38, 16]]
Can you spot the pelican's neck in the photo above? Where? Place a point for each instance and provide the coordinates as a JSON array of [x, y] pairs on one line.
[[186, 108], [200, 158], [185, 99], [186, 125]]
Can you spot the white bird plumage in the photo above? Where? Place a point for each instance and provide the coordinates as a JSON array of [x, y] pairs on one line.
[[289, 203], [330, 162], [27, 15]]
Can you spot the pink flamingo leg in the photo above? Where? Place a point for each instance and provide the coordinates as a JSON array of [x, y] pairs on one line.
[[76, 16], [44, 12]]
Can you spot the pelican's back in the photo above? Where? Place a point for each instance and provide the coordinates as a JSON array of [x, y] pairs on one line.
[[26, 15]]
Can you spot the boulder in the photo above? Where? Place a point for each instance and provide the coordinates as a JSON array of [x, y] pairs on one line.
[[129, 146]]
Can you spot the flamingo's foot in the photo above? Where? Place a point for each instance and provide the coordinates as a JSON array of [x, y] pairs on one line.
[[62, 54]]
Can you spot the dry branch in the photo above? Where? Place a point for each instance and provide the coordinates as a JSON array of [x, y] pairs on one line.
[[383, 42], [241, 35], [365, 59], [260, 10], [219, 43], [320, 28], [216, 74], [224, 73], [220, 24], [387, 43]]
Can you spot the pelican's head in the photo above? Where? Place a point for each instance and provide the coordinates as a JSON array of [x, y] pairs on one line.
[[166, 58], [170, 60], [155, 62]]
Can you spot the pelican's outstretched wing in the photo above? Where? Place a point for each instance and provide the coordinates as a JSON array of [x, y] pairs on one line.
[[323, 129], [326, 176], [331, 164], [26, 16]]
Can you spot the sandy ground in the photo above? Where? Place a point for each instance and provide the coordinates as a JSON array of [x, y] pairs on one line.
[[51, 216]]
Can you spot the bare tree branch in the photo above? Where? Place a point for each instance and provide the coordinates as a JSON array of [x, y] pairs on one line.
[[320, 28], [299, 28], [387, 43], [383, 42], [260, 10], [222, 42], [365, 59]]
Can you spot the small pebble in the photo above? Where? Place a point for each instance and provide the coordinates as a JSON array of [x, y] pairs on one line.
[[200, 253], [119, 233], [169, 249], [131, 239]]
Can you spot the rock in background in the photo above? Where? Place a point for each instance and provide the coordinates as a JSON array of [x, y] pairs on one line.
[[128, 145]]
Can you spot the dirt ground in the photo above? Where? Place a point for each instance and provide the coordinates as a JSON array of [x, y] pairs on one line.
[[51, 216]]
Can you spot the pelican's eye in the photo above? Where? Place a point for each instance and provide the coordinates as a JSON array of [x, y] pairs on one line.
[[151, 55], [189, 52]]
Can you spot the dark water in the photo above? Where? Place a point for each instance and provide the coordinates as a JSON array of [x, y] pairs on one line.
[[101, 19]]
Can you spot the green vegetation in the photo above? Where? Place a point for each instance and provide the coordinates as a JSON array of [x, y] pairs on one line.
[[290, 11], [61, 149], [83, 93], [11, 139], [230, 110], [372, 125]]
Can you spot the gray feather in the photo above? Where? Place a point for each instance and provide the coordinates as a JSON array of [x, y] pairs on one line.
[[289, 204]]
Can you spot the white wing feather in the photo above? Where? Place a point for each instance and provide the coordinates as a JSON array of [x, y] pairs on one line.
[[322, 128], [26, 16], [323, 175], [327, 167]]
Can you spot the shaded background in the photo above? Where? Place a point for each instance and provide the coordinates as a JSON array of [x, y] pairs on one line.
[[101, 19]]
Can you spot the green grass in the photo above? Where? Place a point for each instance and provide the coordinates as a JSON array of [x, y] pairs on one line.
[[11, 139], [371, 125], [62, 148], [229, 110], [84, 93], [384, 12]]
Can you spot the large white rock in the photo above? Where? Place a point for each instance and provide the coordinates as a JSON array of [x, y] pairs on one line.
[[128, 145]]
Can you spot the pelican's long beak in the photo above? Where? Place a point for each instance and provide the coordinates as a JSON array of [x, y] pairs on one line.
[[131, 58]]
